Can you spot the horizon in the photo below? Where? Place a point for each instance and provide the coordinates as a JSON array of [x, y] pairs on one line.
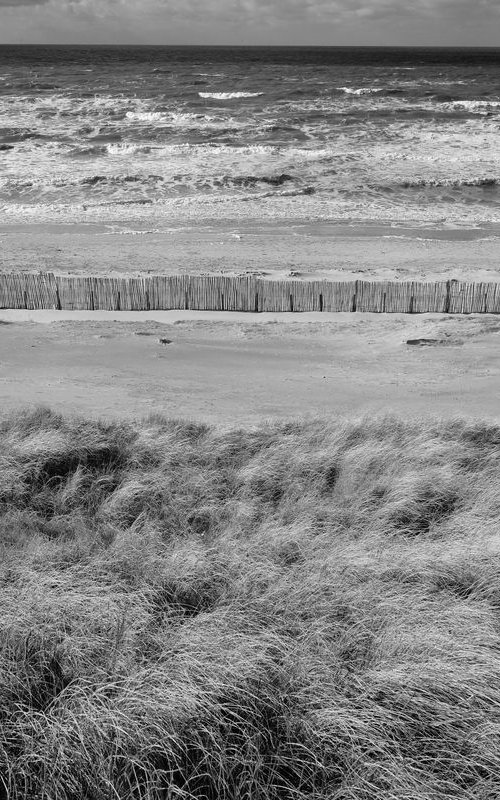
[[256, 46]]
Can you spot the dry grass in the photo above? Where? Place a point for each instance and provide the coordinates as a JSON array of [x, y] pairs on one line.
[[301, 610]]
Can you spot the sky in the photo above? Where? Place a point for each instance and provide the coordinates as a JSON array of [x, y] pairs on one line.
[[306, 22]]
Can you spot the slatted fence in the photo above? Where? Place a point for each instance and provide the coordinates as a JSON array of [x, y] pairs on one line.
[[46, 290]]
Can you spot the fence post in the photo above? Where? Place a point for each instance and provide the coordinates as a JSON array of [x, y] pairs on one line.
[[447, 301]]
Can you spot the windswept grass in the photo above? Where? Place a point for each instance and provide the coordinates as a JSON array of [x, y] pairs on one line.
[[300, 610]]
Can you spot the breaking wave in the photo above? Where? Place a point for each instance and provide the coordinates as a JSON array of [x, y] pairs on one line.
[[123, 149], [95, 180], [229, 95], [87, 181], [145, 116], [112, 149], [307, 190], [362, 90], [250, 181], [100, 181], [366, 138], [451, 183], [476, 106]]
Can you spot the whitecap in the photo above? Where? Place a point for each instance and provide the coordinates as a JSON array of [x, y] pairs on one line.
[[202, 122], [229, 95], [476, 106], [145, 116], [120, 149], [360, 91]]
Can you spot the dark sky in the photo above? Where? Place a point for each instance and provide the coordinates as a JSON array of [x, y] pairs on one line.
[[326, 22]]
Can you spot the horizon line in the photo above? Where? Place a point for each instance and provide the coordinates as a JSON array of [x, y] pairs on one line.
[[259, 46]]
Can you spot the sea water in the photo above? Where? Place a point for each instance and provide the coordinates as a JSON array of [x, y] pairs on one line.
[[164, 134]]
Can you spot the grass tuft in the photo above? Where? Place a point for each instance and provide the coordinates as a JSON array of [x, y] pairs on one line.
[[297, 611]]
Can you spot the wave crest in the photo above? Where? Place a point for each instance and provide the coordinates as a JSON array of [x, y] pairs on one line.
[[476, 106], [228, 95], [484, 182], [145, 116], [362, 90]]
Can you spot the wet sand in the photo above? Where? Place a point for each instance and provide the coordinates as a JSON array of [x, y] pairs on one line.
[[241, 368], [307, 250]]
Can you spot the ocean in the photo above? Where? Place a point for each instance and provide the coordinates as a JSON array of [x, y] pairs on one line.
[[399, 136]]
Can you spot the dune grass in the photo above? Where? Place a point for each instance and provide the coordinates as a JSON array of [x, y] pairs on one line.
[[299, 610]]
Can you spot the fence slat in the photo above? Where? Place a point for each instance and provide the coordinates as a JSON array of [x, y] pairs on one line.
[[243, 293], [338, 295]]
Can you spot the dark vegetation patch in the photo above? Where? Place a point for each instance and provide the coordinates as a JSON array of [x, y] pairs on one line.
[[298, 611], [426, 503]]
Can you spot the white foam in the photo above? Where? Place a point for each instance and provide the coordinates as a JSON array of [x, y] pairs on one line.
[[202, 121], [120, 149], [273, 208], [360, 91], [229, 95], [475, 106], [145, 116], [182, 119], [133, 232]]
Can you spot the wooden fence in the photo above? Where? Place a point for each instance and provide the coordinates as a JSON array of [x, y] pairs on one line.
[[218, 293]]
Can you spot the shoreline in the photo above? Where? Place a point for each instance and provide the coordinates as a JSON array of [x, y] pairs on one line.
[[327, 227], [311, 249]]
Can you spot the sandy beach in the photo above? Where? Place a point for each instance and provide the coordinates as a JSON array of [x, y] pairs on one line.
[[231, 367], [236, 368], [308, 250]]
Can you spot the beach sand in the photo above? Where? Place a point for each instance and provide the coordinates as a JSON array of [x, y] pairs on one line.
[[231, 368], [307, 250], [241, 368]]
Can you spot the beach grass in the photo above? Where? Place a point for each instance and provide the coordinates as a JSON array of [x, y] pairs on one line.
[[303, 609]]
